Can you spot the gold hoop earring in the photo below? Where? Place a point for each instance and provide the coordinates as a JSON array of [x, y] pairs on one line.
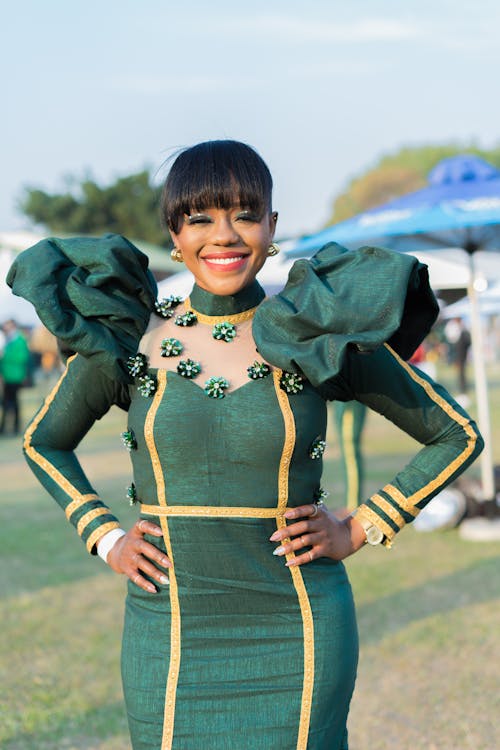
[[176, 255], [273, 249]]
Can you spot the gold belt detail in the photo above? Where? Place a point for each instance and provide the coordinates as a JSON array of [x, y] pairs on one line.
[[210, 510]]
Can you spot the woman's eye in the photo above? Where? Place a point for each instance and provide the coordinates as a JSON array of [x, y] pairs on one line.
[[198, 219], [246, 216]]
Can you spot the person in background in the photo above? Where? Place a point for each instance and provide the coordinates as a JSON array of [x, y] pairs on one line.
[[14, 371], [459, 340], [350, 417]]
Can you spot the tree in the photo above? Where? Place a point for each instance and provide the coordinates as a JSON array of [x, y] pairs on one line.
[[128, 206], [397, 174]]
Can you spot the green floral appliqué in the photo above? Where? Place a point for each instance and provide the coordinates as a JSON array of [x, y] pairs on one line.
[[258, 370], [186, 319], [165, 307], [215, 387], [128, 440], [224, 331], [137, 364], [291, 382], [188, 368], [317, 448], [147, 385], [170, 348], [132, 494]]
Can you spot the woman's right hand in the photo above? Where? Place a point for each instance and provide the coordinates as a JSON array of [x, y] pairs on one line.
[[131, 554]]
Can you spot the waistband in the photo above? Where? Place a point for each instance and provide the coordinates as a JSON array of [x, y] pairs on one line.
[[211, 510]]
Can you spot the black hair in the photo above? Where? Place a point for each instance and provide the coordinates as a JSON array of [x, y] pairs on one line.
[[212, 173]]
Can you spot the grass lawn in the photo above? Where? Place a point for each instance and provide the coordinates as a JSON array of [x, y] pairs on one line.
[[428, 611]]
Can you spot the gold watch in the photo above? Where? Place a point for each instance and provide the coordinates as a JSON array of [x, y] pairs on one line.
[[373, 534]]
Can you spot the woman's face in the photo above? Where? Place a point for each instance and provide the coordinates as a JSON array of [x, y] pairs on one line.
[[225, 248]]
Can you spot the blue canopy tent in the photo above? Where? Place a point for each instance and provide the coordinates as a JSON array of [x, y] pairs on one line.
[[460, 207]]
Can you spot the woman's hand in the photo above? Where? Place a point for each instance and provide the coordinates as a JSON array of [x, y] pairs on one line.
[[321, 531], [132, 554]]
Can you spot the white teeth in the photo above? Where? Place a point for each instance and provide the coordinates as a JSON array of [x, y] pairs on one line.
[[225, 261]]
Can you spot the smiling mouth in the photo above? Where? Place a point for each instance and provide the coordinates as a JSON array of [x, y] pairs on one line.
[[221, 261]]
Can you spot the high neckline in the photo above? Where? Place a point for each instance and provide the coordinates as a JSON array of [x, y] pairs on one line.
[[231, 304]]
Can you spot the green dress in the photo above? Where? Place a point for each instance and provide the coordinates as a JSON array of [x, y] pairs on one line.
[[241, 651]]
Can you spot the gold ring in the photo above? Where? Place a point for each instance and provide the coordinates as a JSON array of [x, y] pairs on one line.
[[302, 540], [136, 578], [139, 524], [311, 558], [315, 512]]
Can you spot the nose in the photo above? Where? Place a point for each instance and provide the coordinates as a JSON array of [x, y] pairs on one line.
[[224, 232]]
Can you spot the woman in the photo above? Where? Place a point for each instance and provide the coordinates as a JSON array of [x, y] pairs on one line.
[[239, 629]]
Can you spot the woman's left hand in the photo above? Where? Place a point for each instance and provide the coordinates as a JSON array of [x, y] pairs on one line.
[[321, 531]]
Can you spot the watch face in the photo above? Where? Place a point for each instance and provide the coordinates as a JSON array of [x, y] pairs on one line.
[[373, 535]]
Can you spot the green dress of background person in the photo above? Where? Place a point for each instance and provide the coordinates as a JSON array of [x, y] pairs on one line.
[[350, 417], [14, 370], [240, 651]]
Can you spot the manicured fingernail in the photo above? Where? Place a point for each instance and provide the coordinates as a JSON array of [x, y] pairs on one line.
[[279, 551], [290, 563], [289, 514], [165, 561], [151, 589], [164, 579], [274, 537]]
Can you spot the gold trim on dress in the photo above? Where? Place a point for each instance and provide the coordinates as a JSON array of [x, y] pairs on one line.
[[442, 477], [210, 510], [75, 504], [389, 510], [98, 533], [400, 499], [295, 571], [369, 515], [89, 517], [40, 460], [175, 622], [213, 319]]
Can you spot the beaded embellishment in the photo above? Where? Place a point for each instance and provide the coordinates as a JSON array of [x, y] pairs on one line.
[[188, 368], [137, 364], [320, 494], [186, 319], [258, 370], [224, 331], [291, 382], [215, 387], [171, 348], [128, 440], [165, 307], [317, 448], [147, 385], [131, 494]]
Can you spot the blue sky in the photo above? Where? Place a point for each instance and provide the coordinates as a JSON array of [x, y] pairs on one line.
[[320, 88]]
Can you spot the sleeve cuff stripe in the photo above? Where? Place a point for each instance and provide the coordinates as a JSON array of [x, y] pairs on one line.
[[77, 504], [89, 517], [394, 494], [364, 511], [389, 510], [99, 533]]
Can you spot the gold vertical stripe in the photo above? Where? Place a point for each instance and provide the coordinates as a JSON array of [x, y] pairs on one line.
[[40, 460], [175, 624], [352, 469], [441, 478], [289, 444], [295, 571]]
